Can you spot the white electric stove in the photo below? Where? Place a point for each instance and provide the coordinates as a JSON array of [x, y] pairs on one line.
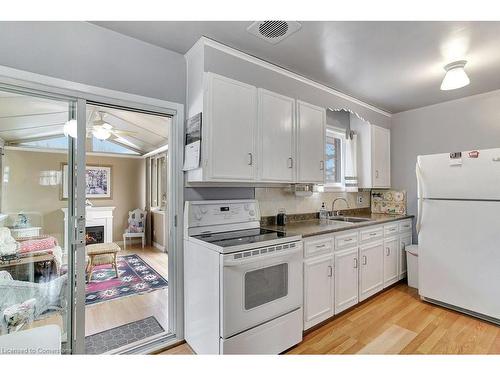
[[242, 284]]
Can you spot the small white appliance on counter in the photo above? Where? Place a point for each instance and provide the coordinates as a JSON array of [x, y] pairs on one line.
[[243, 284], [459, 231]]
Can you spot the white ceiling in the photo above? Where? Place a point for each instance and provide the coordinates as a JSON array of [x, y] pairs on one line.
[[148, 132], [25, 118], [394, 66]]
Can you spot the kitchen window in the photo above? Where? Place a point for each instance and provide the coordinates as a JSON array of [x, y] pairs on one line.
[[334, 160]]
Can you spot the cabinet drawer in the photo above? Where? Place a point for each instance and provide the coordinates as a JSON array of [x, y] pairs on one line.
[[391, 229], [317, 246], [346, 240], [405, 225], [371, 234]]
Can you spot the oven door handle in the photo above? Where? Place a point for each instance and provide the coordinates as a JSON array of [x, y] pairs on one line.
[[258, 258]]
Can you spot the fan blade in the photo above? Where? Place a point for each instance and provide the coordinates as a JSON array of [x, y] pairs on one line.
[[122, 132]]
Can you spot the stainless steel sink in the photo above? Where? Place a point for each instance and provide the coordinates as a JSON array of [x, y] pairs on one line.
[[349, 219]]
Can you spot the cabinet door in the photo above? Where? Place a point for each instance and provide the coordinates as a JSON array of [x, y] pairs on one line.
[[318, 290], [381, 157], [405, 240], [231, 129], [275, 134], [391, 260], [346, 279], [371, 277], [310, 143]]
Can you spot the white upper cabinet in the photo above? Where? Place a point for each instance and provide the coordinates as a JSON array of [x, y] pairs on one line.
[[381, 157], [276, 124], [311, 122], [231, 114], [374, 155], [252, 135]]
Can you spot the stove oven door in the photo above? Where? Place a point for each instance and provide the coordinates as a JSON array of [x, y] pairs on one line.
[[259, 285]]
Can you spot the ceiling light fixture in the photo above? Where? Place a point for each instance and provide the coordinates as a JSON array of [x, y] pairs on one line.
[[455, 76], [69, 129], [101, 133]]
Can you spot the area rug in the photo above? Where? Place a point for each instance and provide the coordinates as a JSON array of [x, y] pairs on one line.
[[117, 337], [135, 277]]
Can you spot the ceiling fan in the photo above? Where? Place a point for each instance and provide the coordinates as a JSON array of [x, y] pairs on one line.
[[96, 127], [103, 130]]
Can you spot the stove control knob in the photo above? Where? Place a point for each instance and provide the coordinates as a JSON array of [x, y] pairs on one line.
[[197, 214], [246, 206], [251, 213], [203, 210]]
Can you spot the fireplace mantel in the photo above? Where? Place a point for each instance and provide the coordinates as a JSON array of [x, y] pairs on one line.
[[94, 216]]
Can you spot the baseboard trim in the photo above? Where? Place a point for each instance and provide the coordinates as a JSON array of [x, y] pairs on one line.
[[158, 246], [129, 242]]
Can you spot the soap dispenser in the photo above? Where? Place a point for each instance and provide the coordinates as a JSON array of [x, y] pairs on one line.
[[323, 213]]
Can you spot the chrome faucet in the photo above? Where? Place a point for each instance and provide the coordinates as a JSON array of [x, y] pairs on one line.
[[337, 213]]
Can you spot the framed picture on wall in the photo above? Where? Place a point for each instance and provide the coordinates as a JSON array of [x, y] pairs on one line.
[[98, 181]]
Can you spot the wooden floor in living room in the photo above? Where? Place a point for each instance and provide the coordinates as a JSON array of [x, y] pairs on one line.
[[396, 322], [103, 316]]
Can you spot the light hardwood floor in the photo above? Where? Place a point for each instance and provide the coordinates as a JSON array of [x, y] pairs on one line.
[[397, 322], [113, 313], [106, 315]]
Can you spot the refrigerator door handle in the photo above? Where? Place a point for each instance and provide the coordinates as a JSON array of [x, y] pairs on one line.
[[419, 197]]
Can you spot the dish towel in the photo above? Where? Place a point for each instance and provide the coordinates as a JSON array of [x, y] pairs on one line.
[[351, 170]]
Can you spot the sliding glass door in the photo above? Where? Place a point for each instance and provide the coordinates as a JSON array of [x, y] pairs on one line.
[[76, 174], [128, 284], [42, 208]]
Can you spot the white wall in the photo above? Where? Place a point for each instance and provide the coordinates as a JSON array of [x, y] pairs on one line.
[[458, 125], [86, 53]]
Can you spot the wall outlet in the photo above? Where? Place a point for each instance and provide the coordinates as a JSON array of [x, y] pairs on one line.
[[360, 199]]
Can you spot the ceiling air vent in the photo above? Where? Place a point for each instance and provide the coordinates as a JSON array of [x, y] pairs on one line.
[[273, 31]]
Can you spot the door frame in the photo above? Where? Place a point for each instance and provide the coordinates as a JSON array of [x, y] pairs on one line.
[[82, 93]]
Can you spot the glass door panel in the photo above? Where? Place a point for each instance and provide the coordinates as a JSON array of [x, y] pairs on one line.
[[36, 220]]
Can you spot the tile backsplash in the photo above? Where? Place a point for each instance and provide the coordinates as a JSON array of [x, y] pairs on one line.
[[271, 200], [388, 202]]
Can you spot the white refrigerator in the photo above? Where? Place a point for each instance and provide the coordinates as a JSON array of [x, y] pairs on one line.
[[458, 227]]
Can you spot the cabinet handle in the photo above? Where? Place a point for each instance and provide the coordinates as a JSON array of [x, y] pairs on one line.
[[376, 173], [365, 261], [290, 162], [250, 158], [355, 262], [348, 239], [320, 246], [387, 251], [330, 271], [321, 165], [373, 234]]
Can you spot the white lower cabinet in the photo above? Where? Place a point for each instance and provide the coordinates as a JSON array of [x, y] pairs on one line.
[[346, 279], [318, 289], [371, 272], [405, 240], [350, 266], [391, 261]]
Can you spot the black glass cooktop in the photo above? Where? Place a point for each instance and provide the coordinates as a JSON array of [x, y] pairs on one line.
[[240, 237]]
